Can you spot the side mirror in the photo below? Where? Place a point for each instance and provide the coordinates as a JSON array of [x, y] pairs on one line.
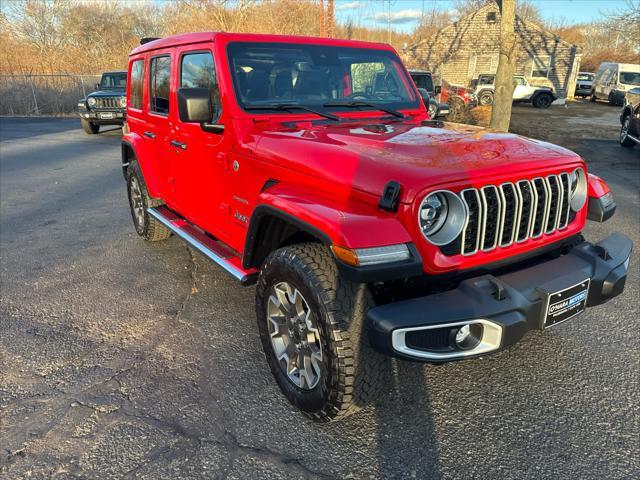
[[437, 89], [195, 106], [97, 86]]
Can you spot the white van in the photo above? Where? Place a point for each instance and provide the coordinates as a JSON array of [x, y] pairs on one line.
[[613, 80]]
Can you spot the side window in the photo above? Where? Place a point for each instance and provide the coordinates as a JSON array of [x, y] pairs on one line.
[[135, 96], [159, 79], [540, 66], [198, 70]]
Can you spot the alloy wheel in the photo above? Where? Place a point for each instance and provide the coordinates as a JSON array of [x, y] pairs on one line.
[[137, 202], [624, 131], [294, 334]]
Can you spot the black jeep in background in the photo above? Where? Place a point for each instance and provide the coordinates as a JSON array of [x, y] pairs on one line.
[[107, 105], [630, 119]]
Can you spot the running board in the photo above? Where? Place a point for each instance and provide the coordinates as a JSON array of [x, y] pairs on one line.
[[637, 140], [203, 243]]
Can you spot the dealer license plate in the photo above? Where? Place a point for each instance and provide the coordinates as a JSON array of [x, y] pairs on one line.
[[107, 115], [567, 303]]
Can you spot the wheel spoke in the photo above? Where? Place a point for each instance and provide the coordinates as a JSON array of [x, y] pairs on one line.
[[294, 334]]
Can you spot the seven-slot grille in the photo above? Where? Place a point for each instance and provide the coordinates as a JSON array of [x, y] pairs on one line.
[[107, 102], [512, 213]]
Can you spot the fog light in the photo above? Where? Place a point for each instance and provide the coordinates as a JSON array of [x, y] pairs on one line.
[[468, 336]]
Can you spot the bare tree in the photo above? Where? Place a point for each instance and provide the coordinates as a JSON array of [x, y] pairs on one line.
[[503, 99]]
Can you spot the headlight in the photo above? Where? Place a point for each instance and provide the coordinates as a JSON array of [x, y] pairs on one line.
[[91, 101], [577, 189], [441, 217], [123, 102]]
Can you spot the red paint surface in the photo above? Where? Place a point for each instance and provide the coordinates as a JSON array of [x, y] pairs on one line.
[[329, 175]]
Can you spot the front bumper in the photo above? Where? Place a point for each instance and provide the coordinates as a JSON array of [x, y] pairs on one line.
[[507, 306], [104, 117]]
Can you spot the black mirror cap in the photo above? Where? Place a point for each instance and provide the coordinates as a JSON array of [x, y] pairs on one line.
[[437, 89], [97, 86], [194, 105]]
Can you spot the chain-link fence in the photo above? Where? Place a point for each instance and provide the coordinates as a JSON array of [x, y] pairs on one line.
[[43, 94]]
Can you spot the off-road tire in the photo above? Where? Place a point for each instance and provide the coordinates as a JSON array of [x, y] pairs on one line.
[[625, 141], [148, 228], [543, 100], [486, 98], [88, 127], [593, 97], [352, 372]]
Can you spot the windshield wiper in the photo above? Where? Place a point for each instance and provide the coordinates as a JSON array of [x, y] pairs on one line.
[[362, 103], [292, 106]]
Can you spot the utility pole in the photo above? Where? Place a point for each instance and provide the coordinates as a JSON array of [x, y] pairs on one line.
[[323, 25], [503, 97], [332, 20]]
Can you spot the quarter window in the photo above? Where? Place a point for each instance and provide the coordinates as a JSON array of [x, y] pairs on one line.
[[135, 96], [160, 80], [198, 70]]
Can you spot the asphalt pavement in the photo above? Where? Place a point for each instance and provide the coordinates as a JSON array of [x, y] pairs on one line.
[[123, 359]]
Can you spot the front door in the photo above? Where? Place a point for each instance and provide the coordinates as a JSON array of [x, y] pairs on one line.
[[200, 157], [521, 90]]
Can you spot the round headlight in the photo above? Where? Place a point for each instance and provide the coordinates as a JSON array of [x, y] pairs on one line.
[[91, 101], [577, 189], [123, 102], [441, 217]]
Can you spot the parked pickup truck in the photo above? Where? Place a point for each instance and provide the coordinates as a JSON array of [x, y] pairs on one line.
[[630, 119], [310, 167], [539, 97], [107, 105]]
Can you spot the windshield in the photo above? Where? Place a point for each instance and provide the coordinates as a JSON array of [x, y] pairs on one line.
[[423, 81], [114, 80], [630, 78], [585, 76], [314, 75]]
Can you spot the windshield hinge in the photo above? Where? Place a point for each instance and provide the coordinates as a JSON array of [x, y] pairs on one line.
[[390, 197]]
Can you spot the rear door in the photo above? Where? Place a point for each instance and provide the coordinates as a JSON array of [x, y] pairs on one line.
[[160, 106], [200, 157]]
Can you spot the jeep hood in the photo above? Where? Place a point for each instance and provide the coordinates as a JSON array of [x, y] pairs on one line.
[[116, 92], [366, 156]]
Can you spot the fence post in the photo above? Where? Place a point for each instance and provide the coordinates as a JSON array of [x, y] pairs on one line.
[[33, 91]]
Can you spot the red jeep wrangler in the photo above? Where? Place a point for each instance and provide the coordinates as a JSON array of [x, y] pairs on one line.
[[310, 166]]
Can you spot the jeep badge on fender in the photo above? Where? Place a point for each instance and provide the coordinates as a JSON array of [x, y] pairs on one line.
[[369, 230]]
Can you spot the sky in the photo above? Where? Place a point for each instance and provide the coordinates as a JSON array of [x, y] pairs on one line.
[[404, 14]]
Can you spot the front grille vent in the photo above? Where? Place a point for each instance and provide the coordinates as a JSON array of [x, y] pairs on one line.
[[500, 215], [107, 102]]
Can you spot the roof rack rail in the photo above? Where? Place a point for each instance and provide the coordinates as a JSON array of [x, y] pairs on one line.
[[148, 39]]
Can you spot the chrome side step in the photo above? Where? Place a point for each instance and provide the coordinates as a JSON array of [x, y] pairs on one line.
[[206, 245], [637, 140]]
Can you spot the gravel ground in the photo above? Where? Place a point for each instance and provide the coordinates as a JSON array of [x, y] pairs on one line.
[[120, 359]]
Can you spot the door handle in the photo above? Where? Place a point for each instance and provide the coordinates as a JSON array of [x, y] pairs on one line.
[[150, 134], [182, 146]]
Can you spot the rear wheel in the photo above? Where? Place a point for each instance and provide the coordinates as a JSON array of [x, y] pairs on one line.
[[312, 327], [625, 141], [88, 127], [543, 100], [146, 226]]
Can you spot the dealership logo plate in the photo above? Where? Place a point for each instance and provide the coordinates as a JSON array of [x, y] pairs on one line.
[[567, 303]]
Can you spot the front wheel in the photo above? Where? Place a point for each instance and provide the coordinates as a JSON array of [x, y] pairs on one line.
[[486, 98], [311, 323], [625, 141], [88, 127], [543, 101]]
